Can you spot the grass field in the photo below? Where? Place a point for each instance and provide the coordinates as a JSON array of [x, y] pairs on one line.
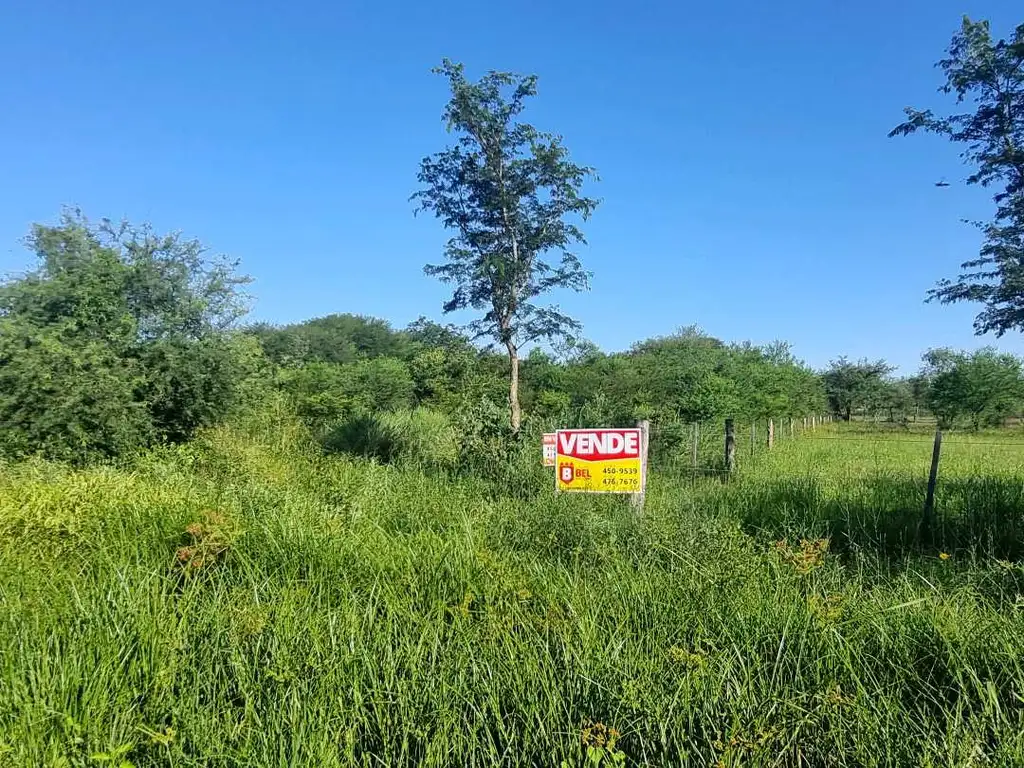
[[244, 601]]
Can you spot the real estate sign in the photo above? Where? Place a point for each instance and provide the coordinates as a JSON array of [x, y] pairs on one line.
[[549, 449], [599, 460]]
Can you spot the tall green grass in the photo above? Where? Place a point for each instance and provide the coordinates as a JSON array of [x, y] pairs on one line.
[[247, 601]]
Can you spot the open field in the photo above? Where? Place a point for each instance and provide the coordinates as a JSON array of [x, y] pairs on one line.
[[243, 601]]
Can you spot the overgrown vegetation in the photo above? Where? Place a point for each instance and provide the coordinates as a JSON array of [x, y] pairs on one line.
[[120, 338], [245, 600]]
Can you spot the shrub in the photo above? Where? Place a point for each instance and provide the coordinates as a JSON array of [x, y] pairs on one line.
[[421, 437], [510, 464]]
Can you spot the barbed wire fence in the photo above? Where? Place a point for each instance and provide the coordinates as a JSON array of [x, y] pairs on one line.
[[699, 449]]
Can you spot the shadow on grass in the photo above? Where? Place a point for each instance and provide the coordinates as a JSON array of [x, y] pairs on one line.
[[982, 515]]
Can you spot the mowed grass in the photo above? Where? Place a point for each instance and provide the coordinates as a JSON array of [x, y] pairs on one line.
[[245, 601]]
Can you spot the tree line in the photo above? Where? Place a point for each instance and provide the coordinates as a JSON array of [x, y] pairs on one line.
[[123, 338], [983, 388]]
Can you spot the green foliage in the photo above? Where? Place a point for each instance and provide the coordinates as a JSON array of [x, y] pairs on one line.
[[507, 190], [117, 338], [243, 600], [421, 437], [339, 338], [380, 384], [988, 75], [855, 386], [327, 393], [508, 463], [68, 399], [983, 387]]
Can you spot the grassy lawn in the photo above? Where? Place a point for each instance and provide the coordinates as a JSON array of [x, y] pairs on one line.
[[244, 601]]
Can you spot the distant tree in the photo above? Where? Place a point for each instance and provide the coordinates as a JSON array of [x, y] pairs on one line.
[[851, 386], [338, 338], [918, 386], [680, 376], [427, 333], [983, 387], [989, 75], [507, 190], [893, 399]]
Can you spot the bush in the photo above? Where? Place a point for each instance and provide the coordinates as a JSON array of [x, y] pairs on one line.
[[509, 464], [421, 437], [325, 394], [66, 401], [115, 341]]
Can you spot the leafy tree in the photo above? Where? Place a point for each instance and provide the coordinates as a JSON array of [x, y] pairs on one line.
[[508, 191], [681, 376], [983, 386], [426, 333], [116, 339], [66, 399], [338, 338], [989, 75], [852, 386], [891, 399]]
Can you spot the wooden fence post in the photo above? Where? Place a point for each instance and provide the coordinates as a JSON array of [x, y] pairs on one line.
[[730, 445], [771, 434], [929, 500], [791, 426], [753, 436], [637, 499]]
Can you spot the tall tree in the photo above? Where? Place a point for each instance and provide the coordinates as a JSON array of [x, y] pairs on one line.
[[511, 194], [989, 75]]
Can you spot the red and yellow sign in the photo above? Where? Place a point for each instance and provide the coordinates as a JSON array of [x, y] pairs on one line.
[[549, 449], [599, 460]]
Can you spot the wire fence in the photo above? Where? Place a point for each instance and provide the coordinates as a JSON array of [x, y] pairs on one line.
[[698, 449]]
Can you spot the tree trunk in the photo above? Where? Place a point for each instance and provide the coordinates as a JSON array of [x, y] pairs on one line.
[[515, 413]]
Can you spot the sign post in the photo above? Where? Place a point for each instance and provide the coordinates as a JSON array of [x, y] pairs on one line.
[[600, 461], [637, 499]]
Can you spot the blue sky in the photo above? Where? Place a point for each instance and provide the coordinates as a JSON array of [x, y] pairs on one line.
[[747, 182]]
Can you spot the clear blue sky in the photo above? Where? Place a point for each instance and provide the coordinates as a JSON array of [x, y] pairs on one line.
[[747, 180]]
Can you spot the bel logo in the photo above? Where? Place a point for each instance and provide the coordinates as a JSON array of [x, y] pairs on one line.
[[567, 473]]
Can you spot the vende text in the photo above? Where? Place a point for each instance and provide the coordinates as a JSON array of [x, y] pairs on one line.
[[599, 444]]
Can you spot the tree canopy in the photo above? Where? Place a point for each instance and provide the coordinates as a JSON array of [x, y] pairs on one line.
[[854, 385], [988, 75], [116, 339], [981, 387]]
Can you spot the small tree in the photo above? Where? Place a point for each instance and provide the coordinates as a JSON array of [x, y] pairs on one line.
[[919, 386], [989, 75], [850, 386], [507, 190], [983, 386]]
